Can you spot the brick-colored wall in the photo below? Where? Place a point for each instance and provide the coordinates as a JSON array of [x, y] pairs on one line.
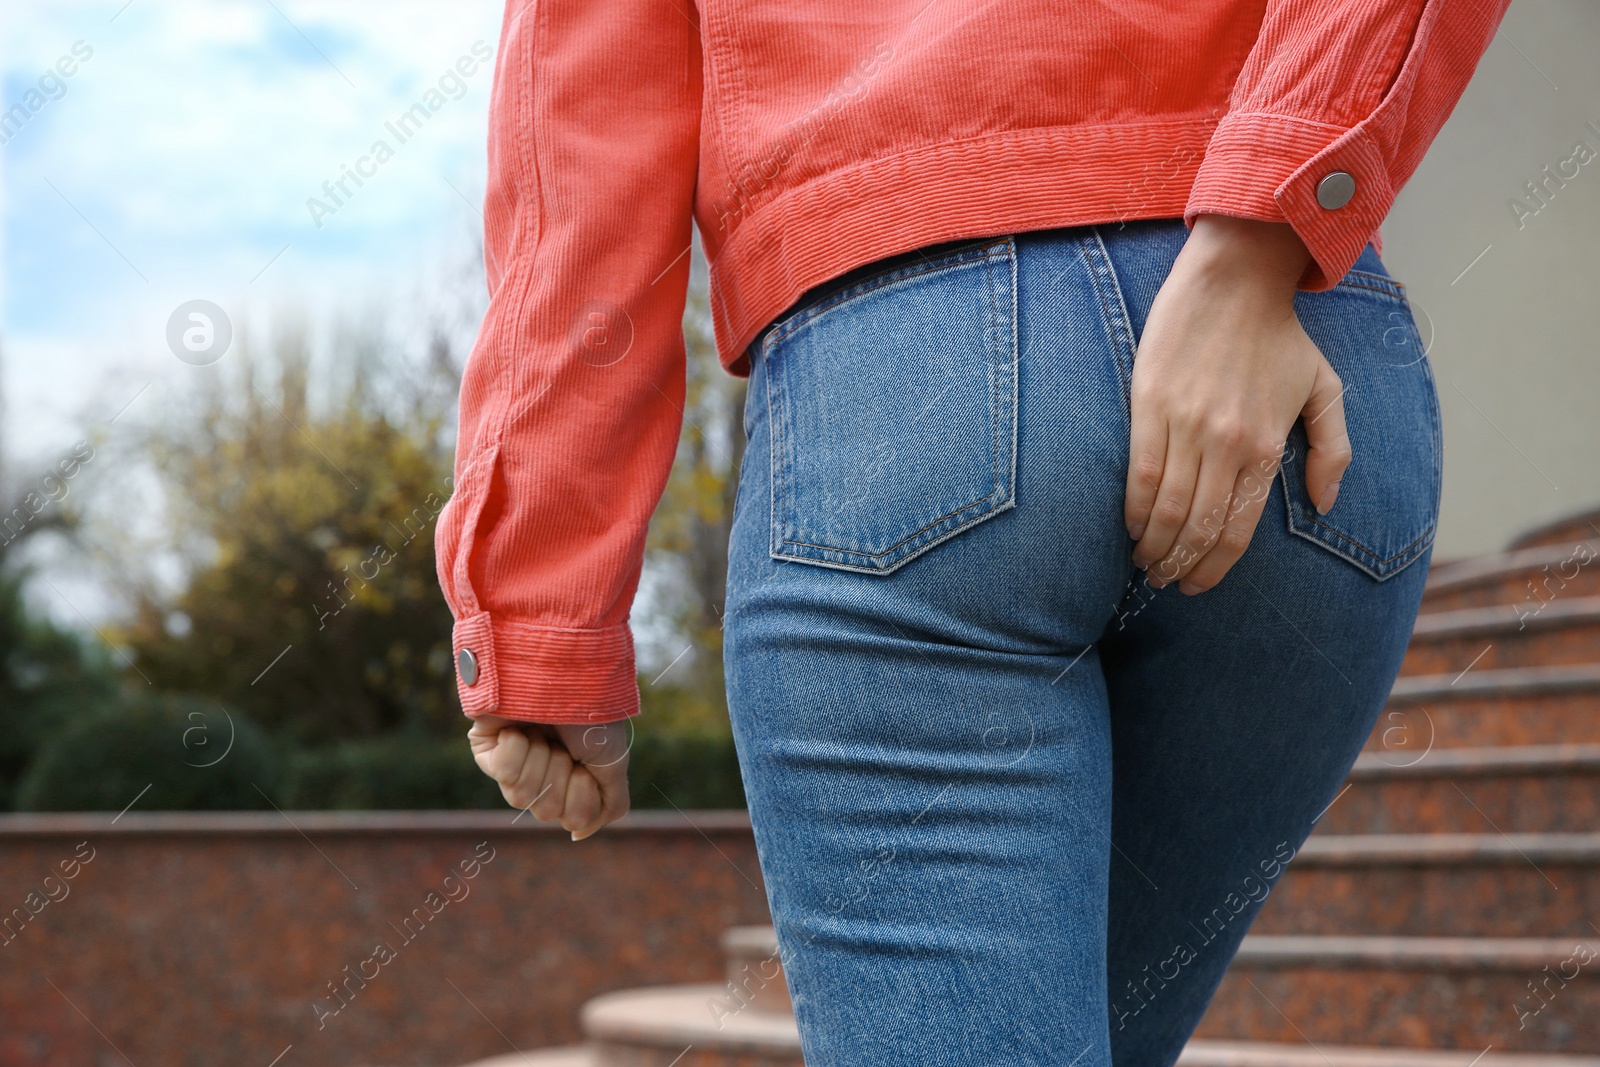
[[207, 939]]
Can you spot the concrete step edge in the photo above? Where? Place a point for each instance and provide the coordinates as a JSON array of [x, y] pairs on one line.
[[746, 941], [1521, 955], [1557, 531], [672, 1017], [1505, 619], [564, 1056], [1499, 681], [1485, 762], [1426, 850], [1482, 570], [1268, 1054], [1203, 1053]]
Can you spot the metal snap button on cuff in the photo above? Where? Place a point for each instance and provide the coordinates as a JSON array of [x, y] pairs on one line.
[[467, 664], [1336, 189]]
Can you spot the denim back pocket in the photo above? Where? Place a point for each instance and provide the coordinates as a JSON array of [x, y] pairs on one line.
[[893, 406], [1388, 504]]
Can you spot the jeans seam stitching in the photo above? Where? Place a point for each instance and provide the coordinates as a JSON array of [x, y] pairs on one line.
[[997, 495], [1119, 341], [900, 543], [777, 446], [1360, 279], [994, 384], [1012, 357], [907, 557], [1369, 551], [949, 261]]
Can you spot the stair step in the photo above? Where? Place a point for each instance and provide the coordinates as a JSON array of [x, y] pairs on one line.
[[1422, 993], [1469, 885], [1203, 1054], [1478, 708], [1435, 849], [755, 968], [1552, 680], [1506, 635], [1268, 1054], [1486, 762], [687, 1026], [1516, 954], [1561, 532], [566, 1056], [1568, 568], [1525, 788]]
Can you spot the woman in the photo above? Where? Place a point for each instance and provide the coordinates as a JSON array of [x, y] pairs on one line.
[[1042, 659]]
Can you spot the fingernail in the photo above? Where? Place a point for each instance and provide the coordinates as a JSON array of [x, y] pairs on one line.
[[1329, 495], [1136, 531]]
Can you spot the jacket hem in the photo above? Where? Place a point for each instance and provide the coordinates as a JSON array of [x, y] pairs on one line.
[[1010, 182]]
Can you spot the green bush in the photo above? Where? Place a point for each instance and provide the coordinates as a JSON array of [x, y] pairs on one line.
[[390, 773], [192, 754], [685, 770], [198, 756], [47, 676], [414, 773]]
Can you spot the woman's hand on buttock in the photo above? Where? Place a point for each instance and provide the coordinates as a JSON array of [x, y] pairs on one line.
[[1223, 370]]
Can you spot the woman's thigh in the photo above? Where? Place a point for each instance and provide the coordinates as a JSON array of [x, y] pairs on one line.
[[927, 543], [1236, 714]]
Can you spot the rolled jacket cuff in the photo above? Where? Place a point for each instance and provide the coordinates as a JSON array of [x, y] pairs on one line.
[[545, 674], [1269, 167]]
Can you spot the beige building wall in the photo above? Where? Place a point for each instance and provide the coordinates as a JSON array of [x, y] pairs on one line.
[[1512, 311]]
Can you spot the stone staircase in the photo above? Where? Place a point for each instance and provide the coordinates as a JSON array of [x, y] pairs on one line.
[[1450, 897], [1446, 913]]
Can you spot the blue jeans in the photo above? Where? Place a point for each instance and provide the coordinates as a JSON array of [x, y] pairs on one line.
[[1012, 804]]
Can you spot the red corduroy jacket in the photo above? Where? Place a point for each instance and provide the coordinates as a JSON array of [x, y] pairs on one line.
[[807, 138]]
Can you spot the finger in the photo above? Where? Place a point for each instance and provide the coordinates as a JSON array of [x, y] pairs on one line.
[[483, 736], [1171, 508], [1248, 501], [598, 744], [1147, 453], [612, 783], [551, 800], [530, 784], [1207, 514], [581, 813], [1327, 438], [486, 725], [603, 750], [508, 753]]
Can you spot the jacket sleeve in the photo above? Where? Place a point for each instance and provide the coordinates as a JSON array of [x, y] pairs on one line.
[[1352, 87], [572, 397]]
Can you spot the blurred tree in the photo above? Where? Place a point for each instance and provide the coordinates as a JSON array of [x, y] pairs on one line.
[[300, 508], [48, 676], [688, 541], [310, 601]]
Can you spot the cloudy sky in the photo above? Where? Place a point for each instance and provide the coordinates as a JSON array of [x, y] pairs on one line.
[[175, 163], [158, 153]]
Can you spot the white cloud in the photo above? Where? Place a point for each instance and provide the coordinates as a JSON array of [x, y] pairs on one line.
[[189, 143]]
